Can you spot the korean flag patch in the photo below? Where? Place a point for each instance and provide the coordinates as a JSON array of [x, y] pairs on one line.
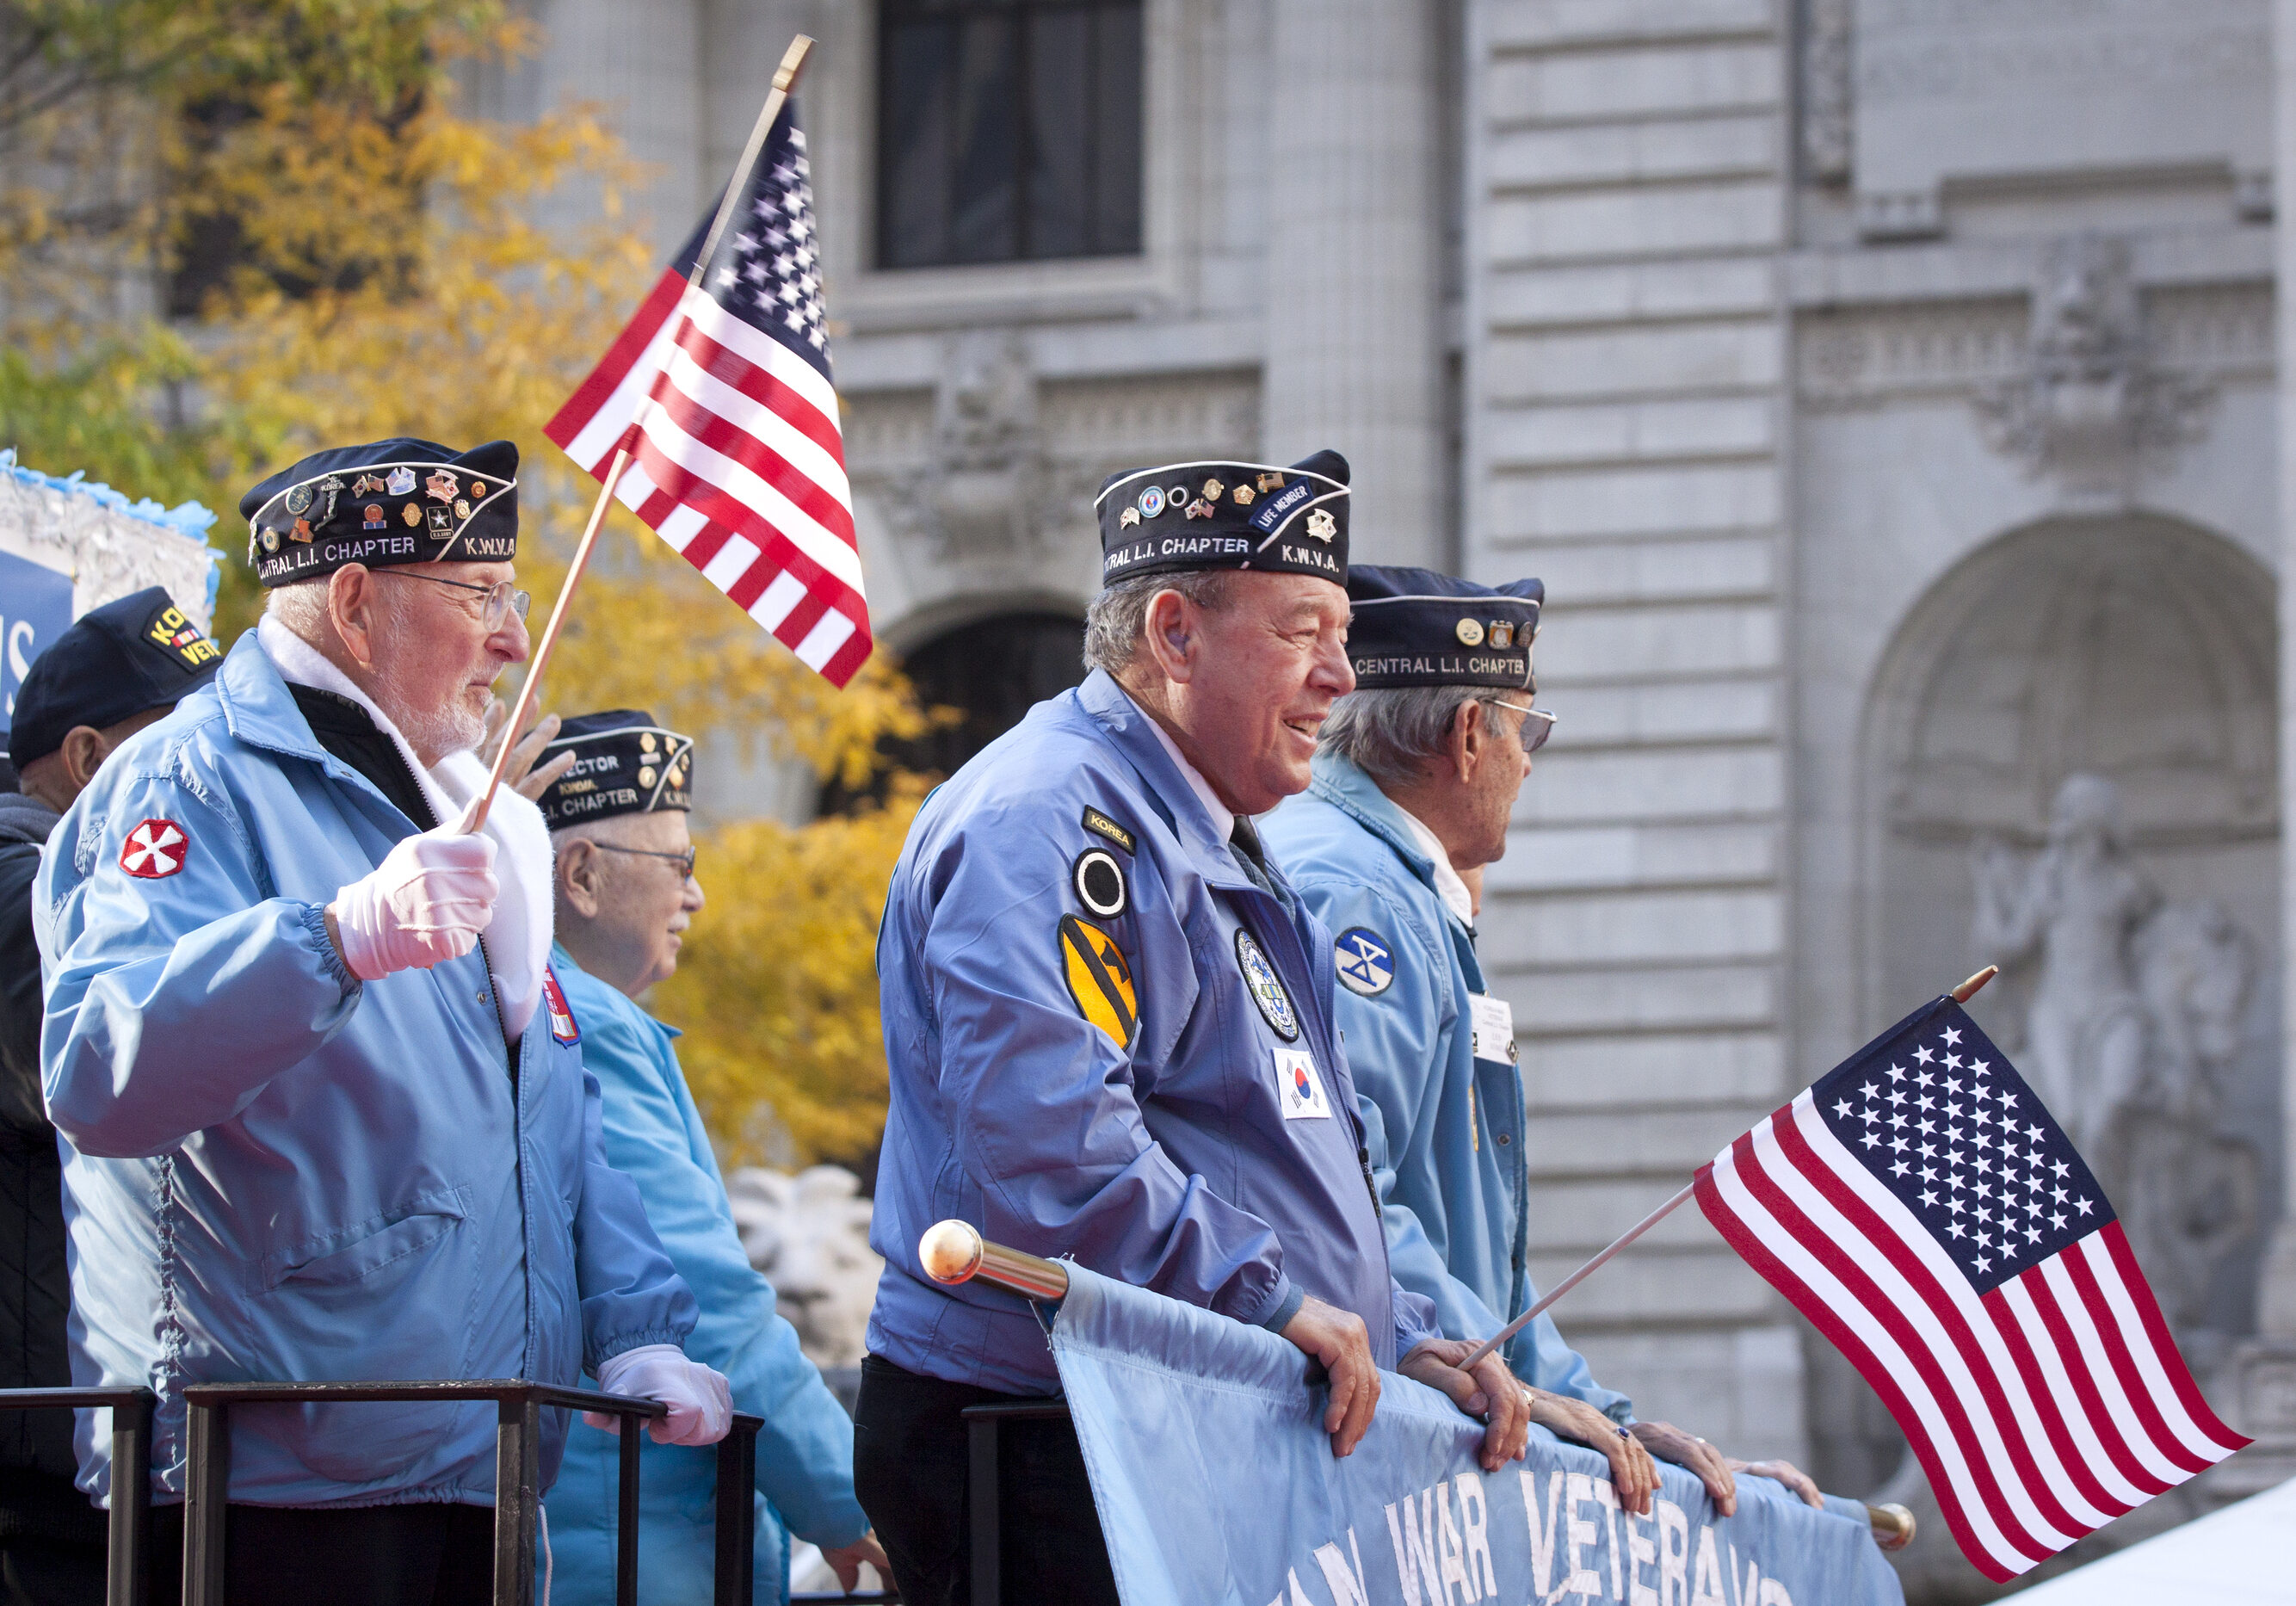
[[1366, 963], [1298, 1088]]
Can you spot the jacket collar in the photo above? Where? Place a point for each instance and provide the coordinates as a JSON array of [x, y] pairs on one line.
[[260, 710], [1133, 732], [1344, 784]]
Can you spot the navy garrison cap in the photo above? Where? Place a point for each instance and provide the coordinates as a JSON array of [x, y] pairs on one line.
[[624, 764], [1415, 628], [1227, 515], [389, 502], [116, 661]]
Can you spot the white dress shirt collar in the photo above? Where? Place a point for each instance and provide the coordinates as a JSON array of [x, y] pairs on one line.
[[1223, 816]]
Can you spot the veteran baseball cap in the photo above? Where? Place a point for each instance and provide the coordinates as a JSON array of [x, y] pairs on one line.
[[1416, 627], [389, 502], [1209, 515], [624, 764], [117, 661]]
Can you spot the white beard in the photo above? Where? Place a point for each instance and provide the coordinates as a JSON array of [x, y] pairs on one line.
[[518, 940]]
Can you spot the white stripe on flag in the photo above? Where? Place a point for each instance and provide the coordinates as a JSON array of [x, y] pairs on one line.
[[821, 643], [824, 547], [2095, 1456], [762, 352], [611, 420], [1902, 1223], [1936, 1340], [731, 561], [680, 525], [2139, 1345], [774, 602], [636, 488], [1853, 1314], [2105, 1375], [762, 424]]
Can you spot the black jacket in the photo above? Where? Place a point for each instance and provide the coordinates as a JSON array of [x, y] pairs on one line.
[[36, 1464]]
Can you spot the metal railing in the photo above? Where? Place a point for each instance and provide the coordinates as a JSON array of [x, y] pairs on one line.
[[518, 1404], [130, 1539]]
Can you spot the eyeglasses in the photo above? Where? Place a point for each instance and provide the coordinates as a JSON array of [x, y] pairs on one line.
[[1532, 739], [684, 861], [502, 599]]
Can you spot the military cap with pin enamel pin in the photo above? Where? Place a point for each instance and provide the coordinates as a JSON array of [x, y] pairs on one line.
[[389, 502], [1416, 627], [1220, 514], [624, 763]]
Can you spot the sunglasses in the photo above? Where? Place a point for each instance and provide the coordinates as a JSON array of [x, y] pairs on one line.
[[1532, 737]]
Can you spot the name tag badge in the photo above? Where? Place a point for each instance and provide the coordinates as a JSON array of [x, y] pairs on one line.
[[1493, 1029], [1298, 1088]]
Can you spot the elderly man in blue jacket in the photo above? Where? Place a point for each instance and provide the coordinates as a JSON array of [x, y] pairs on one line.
[[627, 892], [1413, 789], [323, 1104], [1109, 1024]]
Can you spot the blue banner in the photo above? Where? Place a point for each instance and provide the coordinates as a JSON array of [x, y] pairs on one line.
[[35, 607], [1216, 1483]]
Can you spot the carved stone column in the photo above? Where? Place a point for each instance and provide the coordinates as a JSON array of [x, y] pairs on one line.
[[2268, 1402], [1355, 217]]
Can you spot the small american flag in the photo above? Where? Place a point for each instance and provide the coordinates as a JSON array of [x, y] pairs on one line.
[[1924, 1210], [723, 392]]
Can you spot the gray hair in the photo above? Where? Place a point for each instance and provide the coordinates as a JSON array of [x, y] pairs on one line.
[[1393, 735], [301, 607], [1119, 616]]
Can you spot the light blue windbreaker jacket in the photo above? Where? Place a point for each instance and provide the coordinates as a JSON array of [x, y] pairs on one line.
[[1445, 1128], [275, 1172], [805, 1451], [1203, 1142]]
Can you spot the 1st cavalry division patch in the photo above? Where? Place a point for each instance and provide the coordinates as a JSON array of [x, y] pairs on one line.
[[1099, 979]]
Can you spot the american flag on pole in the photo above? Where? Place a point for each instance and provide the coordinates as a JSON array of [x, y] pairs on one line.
[[1924, 1210], [723, 393]]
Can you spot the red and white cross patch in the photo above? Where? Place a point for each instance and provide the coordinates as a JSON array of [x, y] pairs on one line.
[[155, 848]]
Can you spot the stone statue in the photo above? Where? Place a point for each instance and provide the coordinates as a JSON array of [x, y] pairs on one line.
[[2075, 906], [809, 1234], [2133, 1032]]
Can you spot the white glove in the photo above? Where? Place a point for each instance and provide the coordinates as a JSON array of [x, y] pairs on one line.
[[426, 902], [701, 1401]]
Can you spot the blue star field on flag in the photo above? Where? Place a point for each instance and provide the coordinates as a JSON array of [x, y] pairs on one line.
[[767, 270], [1942, 1120]]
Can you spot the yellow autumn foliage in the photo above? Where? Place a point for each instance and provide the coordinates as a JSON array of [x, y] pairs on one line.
[[766, 990], [392, 279]]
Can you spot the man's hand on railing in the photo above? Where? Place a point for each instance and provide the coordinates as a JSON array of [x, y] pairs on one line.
[[1633, 1474], [1488, 1392], [701, 1401], [1782, 1472], [1338, 1338]]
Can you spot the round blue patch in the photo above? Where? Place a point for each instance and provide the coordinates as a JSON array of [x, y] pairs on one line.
[[1366, 963], [1267, 989]]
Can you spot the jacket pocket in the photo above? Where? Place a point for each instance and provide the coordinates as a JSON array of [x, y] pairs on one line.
[[387, 1302]]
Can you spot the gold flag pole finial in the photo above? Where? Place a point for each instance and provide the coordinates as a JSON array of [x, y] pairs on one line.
[[1970, 988]]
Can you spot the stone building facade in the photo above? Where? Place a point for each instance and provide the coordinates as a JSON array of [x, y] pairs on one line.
[[1887, 391]]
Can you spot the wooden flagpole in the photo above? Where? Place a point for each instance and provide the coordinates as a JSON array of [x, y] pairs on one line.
[[1961, 995], [785, 77]]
